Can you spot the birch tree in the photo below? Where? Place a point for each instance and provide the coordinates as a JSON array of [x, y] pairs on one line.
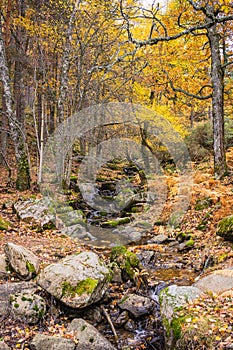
[[16, 130]]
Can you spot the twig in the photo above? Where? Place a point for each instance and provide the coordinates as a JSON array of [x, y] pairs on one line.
[[110, 322]]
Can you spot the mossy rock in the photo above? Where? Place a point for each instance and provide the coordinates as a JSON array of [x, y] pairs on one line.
[[225, 228], [116, 222], [4, 224], [127, 261]]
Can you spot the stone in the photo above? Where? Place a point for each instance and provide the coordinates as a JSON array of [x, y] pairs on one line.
[[12, 288], [121, 319], [22, 261], [4, 346], [158, 239], [127, 261], [42, 342], [137, 305], [225, 228], [78, 231], [77, 280], [88, 337], [38, 212], [3, 265], [27, 307], [172, 299], [217, 282]]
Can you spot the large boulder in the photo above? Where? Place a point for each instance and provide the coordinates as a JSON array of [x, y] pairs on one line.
[[22, 261], [77, 280], [27, 307], [137, 305], [225, 228], [42, 342], [88, 337], [172, 299], [217, 282], [39, 213]]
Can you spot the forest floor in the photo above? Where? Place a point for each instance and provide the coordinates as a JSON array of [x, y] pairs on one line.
[[211, 200]]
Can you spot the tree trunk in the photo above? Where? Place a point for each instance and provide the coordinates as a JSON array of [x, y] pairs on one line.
[[217, 76], [23, 170]]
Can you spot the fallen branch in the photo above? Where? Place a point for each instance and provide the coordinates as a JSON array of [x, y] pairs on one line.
[[110, 322]]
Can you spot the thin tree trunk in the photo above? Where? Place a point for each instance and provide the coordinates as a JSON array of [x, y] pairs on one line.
[[217, 76], [4, 135], [23, 170]]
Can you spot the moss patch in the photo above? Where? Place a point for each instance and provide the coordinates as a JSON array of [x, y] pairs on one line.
[[225, 228], [86, 286], [127, 261], [4, 224]]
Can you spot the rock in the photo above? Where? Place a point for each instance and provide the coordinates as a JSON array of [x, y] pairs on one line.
[[159, 239], [185, 246], [77, 280], [116, 222], [130, 326], [171, 300], [217, 282], [4, 346], [146, 256], [38, 212], [137, 305], [12, 288], [4, 224], [88, 337], [22, 261], [94, 315], [121, 319], [225, 228], [27, 307], [78, 231], [3, 265], [42, 342], [127, 261]]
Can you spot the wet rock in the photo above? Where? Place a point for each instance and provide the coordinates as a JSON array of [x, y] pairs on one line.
[[78, 231], [37, 212], [146, 256], [4, 346], [217, 282], [42, 342], [159, 239], [225, 228], [22, 261], [88, 337], [121, 319], [130, 326], [27, 307], [12, 288], [136, 305], [77, 280], [171, 300]]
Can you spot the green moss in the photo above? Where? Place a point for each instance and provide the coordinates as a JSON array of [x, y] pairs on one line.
[[86, 286], [127, 261], [114, 223], [225, 228], [189, 243], [203, 203], [16, 306], [30, 267], [4, 224]]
